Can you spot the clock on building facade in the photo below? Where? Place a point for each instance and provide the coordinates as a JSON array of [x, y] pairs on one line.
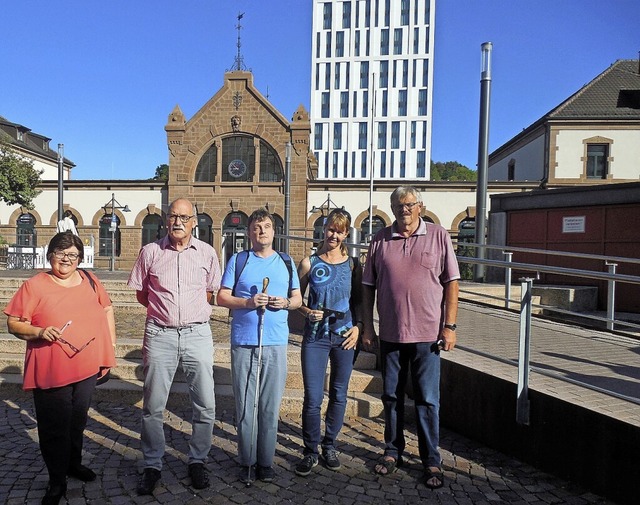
[[237, 168]]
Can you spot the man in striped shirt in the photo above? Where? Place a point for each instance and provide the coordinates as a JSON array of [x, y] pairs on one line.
[[175, 278]]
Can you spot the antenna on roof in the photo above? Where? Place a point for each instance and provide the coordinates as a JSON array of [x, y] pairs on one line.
[[238, 63]]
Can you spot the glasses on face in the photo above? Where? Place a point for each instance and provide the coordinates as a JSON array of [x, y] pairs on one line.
[[62, 255], [400, 206], [73, 347], [183, 218]]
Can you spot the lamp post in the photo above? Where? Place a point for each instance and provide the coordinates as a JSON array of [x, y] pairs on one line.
[[60, 176], [114, 227], [287, 195]]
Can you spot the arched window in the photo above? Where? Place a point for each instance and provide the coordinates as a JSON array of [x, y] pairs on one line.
[[238, 159], [427, 219], [378, 224], [152, 229], [109, 234], [234, 234], [205, 228], [270, 167], [26, 230], [279, 243], [208, 165], [318, 230]]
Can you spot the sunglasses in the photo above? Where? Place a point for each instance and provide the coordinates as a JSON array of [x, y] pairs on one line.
[[73, 347]]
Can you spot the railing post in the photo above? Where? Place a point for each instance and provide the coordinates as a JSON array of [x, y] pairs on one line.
[[507, 279], [611, 297], [522, 405]]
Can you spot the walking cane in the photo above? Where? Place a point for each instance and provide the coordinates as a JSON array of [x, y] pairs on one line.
[[256, 396]]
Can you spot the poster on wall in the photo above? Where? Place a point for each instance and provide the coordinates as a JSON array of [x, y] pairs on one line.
[[574, 224]]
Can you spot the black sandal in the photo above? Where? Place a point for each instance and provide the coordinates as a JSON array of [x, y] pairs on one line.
[[388, 465], [430, 474]]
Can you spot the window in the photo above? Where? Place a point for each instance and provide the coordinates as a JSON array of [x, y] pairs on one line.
[[395, 73], [336, 79], [385, 102], [327, 76], [427, 11], [347, 77], [384, 42], [328, 46], [339, 44], [205, 228], [355, 103], [383, 163], [364, 75], [363, 164], [426, 41], [317, 76], [365, 104], [324, 107], [424, 135], [152, 229], [425, 73], [207, 168], [367, 13], [335, 165], [367, 43], [105, 236], [422, 102], [397, 41], [421, 164], [377, 224], [511, 170], [318, 45], [402, 102], [357, 14], [344, 104], [387, 12], [362, 135], [337, 136], [356, 44], [405, 73], [317, 137], [404, 12], [326, 24], [270, 167], [403, 162], [26, 230], [597, 161], [395, 135], [416, 40], [238, 147], [382, 135], [384, 74], [413, 134], [346, 15]]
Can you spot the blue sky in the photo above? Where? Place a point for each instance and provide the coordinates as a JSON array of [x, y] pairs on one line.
[[102, 77]]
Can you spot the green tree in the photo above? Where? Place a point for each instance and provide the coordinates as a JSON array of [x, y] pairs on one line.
[[18, 179], [162, 173], [452, 171]]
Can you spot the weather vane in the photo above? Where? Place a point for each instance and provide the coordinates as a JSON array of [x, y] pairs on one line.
[[238, 64]]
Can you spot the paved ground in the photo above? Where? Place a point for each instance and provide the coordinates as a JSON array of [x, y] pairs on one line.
[[475, 474]]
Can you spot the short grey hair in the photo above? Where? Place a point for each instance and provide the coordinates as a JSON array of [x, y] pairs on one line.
[[401, 192]]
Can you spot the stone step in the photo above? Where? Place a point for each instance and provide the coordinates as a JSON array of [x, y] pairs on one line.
[[130, 393], [128, 369]]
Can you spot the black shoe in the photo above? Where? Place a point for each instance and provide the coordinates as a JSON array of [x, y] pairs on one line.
[[54, 493], [306, 464], [199, 476], [247, 475], [331, 460], [147, 482], [82, 473], [265, 473]]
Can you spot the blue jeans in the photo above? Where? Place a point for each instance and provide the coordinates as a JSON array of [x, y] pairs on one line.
[[162, 351], [273, 375], [424, 362], [315, 356]]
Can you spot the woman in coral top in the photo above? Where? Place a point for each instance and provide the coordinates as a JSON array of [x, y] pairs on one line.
[[66, 317]]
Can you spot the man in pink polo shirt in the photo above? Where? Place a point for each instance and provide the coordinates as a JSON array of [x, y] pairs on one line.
[[175, 278], [413, 268]]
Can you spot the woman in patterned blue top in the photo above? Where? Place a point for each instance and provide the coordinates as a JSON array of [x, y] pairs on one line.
[[331, 332]]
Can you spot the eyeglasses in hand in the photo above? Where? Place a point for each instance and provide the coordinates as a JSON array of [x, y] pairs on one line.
[[62, 255], [174, 217], [73, 347]]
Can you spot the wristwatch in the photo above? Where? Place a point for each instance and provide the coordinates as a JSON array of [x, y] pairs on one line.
[[451, 326]]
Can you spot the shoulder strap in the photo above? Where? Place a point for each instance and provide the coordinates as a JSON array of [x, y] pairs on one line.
[[287, 261], [241, 261], [89, 278]]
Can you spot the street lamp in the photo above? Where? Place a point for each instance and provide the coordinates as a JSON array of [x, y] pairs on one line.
[[114, 204]]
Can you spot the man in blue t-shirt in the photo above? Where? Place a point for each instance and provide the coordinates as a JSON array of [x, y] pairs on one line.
[[259, 338]]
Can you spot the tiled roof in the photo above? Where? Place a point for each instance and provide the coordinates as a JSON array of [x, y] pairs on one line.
[[615, 93]]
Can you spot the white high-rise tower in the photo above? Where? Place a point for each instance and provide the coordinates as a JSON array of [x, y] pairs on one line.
[[366, 53]]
